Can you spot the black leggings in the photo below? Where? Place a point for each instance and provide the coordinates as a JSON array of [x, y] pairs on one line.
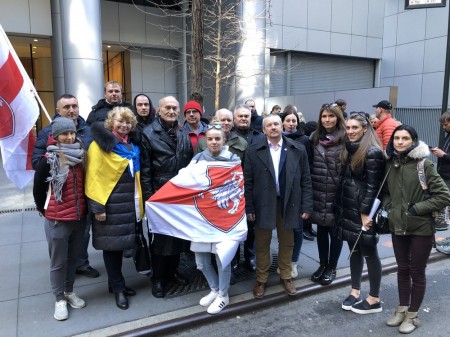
[[370, 254], [412, 253]]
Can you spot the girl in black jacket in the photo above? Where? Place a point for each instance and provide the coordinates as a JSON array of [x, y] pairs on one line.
[[360, 180]]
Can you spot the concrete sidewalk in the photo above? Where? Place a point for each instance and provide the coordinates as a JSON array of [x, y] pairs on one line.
[[27, 303]]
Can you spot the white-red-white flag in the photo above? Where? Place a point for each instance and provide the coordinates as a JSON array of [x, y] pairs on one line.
[[203, 203], [19, 111]]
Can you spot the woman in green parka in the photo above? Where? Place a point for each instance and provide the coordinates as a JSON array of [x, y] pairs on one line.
[[410, 219]]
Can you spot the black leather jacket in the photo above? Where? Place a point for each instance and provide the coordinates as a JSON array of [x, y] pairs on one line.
[[161, 156]]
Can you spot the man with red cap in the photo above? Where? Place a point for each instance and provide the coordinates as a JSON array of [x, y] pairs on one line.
[[194, 126]]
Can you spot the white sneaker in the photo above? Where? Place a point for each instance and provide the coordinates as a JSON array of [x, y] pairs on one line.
[[294, 271], [61, 310], [219, 303], [208, 299], [74, 301], [278, 271]]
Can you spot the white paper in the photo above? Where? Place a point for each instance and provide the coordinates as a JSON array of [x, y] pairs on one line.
[[226, 251], [376, 204]]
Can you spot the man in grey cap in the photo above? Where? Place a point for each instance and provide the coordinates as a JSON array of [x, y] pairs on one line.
[[386, 124]]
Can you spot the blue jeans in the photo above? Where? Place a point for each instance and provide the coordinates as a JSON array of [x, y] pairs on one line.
[[216, 281], [298, 241]]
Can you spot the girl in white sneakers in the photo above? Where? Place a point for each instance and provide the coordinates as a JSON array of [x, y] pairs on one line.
[[219, 281]]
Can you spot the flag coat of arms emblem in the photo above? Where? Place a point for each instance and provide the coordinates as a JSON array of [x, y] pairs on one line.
[[203, 203]]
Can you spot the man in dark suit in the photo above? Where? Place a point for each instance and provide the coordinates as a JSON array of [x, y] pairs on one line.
[[277, 193]]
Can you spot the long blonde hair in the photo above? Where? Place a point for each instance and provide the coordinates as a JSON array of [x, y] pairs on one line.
[[367, 141]]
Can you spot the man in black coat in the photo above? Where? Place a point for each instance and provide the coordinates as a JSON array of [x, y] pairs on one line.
[[277, 193], [113, 98], [165, 149]]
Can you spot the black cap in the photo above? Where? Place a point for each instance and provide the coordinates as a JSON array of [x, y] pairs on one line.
[[384, 105]]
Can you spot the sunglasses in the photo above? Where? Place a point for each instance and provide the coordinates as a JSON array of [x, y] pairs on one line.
[[329, 105], [214, 126]]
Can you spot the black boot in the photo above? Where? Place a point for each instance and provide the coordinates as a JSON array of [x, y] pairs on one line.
[[328, 276], [317, 276]]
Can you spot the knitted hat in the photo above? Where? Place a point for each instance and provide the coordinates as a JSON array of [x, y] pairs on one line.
[[62, 124], [193, 105]]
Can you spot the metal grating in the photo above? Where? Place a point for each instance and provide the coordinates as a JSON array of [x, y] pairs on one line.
[[198, 283], [30, 209], [424, 120]]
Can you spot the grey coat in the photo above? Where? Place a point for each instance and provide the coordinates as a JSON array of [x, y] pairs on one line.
[[294, 181]]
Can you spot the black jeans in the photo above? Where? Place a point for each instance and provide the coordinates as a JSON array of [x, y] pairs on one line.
[[411, 253]]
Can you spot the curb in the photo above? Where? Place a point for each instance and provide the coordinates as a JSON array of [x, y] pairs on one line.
[[194, 316]]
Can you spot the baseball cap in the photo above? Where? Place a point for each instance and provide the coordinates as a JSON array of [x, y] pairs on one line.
[[384, 105]]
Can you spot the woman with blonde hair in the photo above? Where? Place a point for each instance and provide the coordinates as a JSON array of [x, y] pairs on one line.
[[361, 175], [114, 194]]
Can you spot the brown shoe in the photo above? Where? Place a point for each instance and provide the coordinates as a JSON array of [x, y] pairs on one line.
[[289, 287], [259, 290]]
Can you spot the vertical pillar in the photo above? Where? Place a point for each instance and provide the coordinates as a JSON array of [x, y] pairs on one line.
[[81, 37], [57, 54], [250, 67]]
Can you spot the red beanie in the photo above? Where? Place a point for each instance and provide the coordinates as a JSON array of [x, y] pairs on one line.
[[193, 105]]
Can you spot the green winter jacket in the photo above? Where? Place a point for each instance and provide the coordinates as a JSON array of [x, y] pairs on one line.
[[410, 212]]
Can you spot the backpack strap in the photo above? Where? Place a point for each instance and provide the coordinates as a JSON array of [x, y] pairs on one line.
[[422, 177]]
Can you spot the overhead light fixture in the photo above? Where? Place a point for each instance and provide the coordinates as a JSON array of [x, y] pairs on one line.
[[35, 40], [108, 46], [34, 47]]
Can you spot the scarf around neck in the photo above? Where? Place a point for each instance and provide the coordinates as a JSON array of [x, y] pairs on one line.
[[131, 154], [59, 170]]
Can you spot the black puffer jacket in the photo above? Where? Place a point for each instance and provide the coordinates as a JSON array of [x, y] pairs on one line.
[[357, 191], [325, 171], [100, 111], [118, 231]]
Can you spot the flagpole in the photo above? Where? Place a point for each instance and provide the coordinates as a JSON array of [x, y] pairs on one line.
[[24, 73]]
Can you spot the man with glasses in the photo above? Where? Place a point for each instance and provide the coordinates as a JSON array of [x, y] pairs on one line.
[[193, 125], [113, 98], [256, 120], [386, 124], [165, 149], [67, 106]]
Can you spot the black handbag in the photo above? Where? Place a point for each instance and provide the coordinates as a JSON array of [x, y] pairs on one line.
[[380, 223], [142, 256]]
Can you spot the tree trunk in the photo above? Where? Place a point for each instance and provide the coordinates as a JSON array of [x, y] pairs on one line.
[[218, 54], [197, 47]]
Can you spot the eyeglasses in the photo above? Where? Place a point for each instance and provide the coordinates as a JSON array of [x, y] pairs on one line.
[[214, 126], [122, 122], [192, 112]]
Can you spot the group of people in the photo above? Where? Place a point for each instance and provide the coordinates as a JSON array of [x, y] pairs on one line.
[[293, 178]]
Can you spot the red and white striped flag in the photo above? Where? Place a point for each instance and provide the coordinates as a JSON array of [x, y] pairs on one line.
[[203, 203], [19, 111]]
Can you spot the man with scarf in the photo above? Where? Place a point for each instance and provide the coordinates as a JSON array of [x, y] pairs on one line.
[[165, 149]]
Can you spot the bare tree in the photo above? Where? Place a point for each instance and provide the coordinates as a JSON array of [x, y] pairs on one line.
[[197, 47], [222, 35]]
